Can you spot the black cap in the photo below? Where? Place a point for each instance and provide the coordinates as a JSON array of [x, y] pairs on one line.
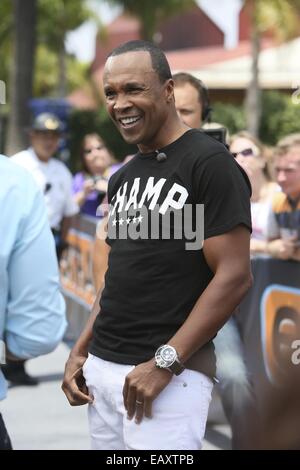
[[47, 122]]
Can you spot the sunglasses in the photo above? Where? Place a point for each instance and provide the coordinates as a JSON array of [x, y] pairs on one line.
[[88, 151], [246, 153]]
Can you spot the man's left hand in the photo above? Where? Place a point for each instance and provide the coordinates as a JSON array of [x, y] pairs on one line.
[[142, 386]]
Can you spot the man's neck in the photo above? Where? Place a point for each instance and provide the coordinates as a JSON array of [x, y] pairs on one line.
[[172, 134], [40, 158]]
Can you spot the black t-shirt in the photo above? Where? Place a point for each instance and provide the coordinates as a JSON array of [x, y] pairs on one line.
[[152, 284]]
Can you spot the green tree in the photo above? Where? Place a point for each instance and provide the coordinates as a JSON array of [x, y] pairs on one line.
[[281, 17], [47, 72], [152, 12], [230, 115], [6, 28], [280, 116], [21, 75], [55, 19], [23, 25]]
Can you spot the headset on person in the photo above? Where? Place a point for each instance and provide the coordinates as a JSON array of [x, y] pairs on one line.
[[206, 107]]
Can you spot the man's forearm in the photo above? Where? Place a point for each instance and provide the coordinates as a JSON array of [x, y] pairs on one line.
[[258, 246], [82, 344], [296, 255], [79, 198], [211, 311], [281, 249], [65, 227]]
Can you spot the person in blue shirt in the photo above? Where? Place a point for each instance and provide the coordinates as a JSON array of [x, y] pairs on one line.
[[32, 308]]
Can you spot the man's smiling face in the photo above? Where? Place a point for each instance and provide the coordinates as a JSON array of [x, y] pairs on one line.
[[287, 168], [136, 99]]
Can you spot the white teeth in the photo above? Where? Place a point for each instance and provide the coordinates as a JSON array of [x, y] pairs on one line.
[[129, 120]]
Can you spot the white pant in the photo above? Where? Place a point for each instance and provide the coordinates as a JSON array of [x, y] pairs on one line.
[[179, 413]]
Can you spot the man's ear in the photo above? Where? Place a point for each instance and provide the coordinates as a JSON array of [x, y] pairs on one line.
[[169, 90]]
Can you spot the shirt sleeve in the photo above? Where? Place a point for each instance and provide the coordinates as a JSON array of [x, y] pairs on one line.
[[70, 208], [272, 228], [35, 309], [77, 183], [224, 189]]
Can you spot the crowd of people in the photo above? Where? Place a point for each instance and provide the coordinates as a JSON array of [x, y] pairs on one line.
[[165, 335]]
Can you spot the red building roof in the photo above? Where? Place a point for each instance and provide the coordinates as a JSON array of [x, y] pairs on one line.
[[191, 28], [122, 29], [190, 60], [200, 57]]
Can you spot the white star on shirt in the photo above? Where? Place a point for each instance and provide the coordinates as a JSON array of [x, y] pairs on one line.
[[134, 220], [128, 220], [114, 222], [140, 218], [121, 221]]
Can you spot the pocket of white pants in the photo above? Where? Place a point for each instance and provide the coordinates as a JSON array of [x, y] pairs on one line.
[[190, 377], [86, 365]]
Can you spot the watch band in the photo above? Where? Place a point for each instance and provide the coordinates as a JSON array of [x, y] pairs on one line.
[[177, 367]]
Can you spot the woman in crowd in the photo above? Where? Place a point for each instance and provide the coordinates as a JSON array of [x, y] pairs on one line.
[[90, 184], [250, 154], [238, 396]]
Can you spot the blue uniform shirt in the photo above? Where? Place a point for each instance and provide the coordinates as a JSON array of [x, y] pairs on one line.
[[32, 308]]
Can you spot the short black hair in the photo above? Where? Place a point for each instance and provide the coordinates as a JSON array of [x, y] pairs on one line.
[[159, 61]]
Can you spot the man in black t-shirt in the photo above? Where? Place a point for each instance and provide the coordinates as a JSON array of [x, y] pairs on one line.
[[234, 385], [166, 294]]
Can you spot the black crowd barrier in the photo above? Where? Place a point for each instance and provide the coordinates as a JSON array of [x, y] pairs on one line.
[[76, 274], [268, 319], [269, 322]]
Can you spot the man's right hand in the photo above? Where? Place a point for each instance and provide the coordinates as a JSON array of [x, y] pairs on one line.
[[74, 385], [88, 186], [282, 249]]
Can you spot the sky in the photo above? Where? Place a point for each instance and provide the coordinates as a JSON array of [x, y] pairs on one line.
[[224, 13], [81, 42]]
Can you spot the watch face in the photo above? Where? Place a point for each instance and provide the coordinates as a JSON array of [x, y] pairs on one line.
[[165, 356]]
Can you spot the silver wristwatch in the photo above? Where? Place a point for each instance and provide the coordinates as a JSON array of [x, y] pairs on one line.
[[166, 357]]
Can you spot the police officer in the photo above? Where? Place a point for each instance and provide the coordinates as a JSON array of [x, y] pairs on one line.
[[55, 181], [52, 175]]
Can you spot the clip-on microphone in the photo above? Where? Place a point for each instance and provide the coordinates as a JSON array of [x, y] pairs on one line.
[[161, 156]]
